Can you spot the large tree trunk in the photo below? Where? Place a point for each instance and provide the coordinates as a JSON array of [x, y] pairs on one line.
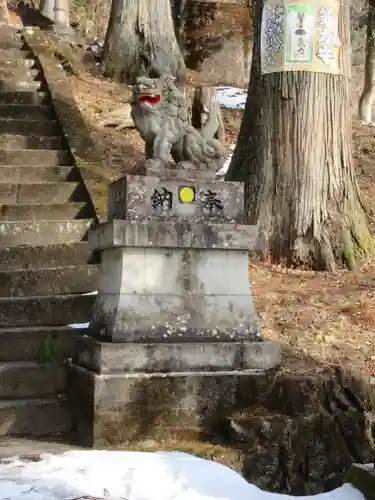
[[294, 152], [141, 39], [368, 95]]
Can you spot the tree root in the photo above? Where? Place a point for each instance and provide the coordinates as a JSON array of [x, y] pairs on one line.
[[119, 118], [337, 247], [348, 250], [352, 249]]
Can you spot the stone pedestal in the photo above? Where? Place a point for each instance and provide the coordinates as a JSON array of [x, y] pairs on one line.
[[174, 324]]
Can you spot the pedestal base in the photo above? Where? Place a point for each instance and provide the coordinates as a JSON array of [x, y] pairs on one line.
[[166, 357], [127, 408], [131, 392]]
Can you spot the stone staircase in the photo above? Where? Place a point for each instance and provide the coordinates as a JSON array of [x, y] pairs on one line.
[[45, 266]]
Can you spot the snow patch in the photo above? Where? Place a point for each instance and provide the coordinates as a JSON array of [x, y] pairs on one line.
[[119, 475], [79, 326], [224, 169], [232, 97]]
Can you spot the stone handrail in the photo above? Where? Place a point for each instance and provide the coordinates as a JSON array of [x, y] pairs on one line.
[[76, 132]]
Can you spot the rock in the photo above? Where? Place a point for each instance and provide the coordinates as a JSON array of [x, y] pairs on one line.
[[302, 435], [363, 478]]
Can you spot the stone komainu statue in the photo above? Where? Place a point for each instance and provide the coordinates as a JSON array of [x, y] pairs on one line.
[[161, 114]]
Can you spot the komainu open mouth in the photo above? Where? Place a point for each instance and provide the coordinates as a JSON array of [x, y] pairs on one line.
[[150, 99]]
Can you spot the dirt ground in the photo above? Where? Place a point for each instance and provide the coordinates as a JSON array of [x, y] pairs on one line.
[[320, 318]]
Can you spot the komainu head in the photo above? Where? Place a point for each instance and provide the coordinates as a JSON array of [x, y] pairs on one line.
[[149, 93]]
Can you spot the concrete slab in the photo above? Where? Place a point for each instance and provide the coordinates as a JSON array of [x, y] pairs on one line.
[[127, 408], [107, 357]]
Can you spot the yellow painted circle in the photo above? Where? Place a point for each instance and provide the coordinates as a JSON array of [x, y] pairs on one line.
[[187, 194]]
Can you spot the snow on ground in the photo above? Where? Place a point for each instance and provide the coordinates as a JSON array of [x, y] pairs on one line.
[[224, 169], [232, 97], [121, 475], [83, 325]]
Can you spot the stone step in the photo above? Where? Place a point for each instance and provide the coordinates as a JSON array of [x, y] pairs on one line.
[[19, 126], [38, 417], [57, 211], [16, 233], [8, 60], [13, 55], [35, 257], [55, 310], [11, 141], [29, 174], [38, 193], [18, 73], [25, 111], [9, 33], [23, 97], [11, 85], [10, 43], [49, 281], [42, 343], [39, 157], [29, 448], [29, 379]]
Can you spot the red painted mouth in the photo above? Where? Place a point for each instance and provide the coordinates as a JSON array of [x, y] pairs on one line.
[[151, 99]]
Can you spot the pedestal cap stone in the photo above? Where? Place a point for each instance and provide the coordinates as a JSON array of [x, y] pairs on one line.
[[172, 234]]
